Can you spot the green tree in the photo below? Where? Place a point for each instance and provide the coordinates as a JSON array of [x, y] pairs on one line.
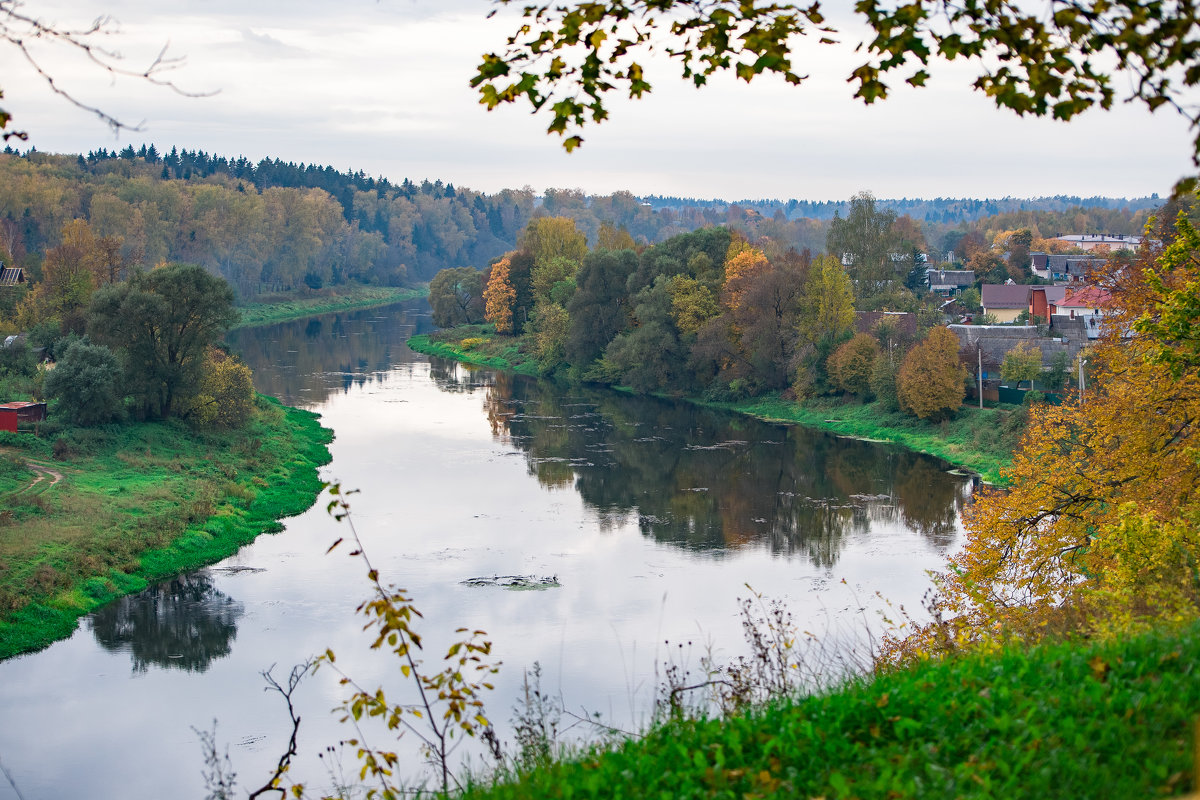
[[85, 383], [456, 297], [163, 322], [1022, 363], [864, 241], [828, 301], [930, 383], [567, 55], [600, 307]]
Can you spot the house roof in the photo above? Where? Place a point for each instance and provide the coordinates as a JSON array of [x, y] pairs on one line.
[[1009, 295], [991, 343], [951, 277], [1086, 297], [865, 321], [1054, 294]]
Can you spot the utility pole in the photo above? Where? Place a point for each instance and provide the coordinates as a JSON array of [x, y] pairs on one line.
[[1082, 362], [979, 372]]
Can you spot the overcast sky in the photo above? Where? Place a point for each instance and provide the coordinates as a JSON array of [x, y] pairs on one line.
[[382, 86]]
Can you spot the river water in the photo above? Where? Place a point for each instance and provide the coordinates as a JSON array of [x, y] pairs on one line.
[[653, 517]]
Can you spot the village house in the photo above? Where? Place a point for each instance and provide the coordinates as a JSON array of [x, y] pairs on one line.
[[1063, 268], [1006, 301], [982, 348], [1044, 300], [949, 282], [12, 414], [1086, 304], [1108, 241]]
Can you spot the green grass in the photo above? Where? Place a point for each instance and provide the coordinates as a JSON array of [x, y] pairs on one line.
[[141, 502], [498, 352], [981, 440], [1071, 722], [339, 299]]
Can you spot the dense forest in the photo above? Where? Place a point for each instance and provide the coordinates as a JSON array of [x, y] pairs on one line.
[[276, 226]]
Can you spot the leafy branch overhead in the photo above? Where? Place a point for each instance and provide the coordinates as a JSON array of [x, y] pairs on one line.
[[1056, 58]]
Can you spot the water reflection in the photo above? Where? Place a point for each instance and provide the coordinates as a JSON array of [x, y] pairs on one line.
[[711, 481], [184, 624], [306, 361]]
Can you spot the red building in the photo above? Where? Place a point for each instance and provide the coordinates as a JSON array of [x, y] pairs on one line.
[[22, 411]]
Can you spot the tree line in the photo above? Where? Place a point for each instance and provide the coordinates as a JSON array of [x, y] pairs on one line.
[[712, 312], [273, 226]]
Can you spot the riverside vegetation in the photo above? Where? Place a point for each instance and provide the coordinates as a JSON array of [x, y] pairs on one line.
[[156, 458], [138, 502]]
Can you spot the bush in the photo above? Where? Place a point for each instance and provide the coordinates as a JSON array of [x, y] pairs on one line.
[[851, 366], [84, 382]]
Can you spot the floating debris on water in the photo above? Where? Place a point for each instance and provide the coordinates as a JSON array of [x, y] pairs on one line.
[[515, 581], [237, 570]]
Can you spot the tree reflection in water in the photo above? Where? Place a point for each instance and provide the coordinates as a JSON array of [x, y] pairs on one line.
[[185, 623], [306, 361], [707, 480]]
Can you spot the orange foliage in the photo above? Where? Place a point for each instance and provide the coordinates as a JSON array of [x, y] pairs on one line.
[[500, 296]]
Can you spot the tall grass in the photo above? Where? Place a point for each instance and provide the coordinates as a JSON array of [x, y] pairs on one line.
[[1064, 721]]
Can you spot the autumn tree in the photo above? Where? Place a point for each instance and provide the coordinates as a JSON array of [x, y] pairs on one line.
[[225, 396], [930, 384], [612, 238], [742, 269], [692, 304], [553, 237], [499, 297], [851, 366]]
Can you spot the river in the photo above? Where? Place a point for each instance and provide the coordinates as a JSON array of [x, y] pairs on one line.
[[653, 517]]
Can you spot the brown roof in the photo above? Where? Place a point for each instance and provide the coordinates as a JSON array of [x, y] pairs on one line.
[[906, 322], [1009, 295]]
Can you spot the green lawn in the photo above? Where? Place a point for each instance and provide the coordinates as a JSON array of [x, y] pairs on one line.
[[139, 502]]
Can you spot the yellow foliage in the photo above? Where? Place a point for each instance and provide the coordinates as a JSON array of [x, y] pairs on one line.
[[740, 271], [226, 395], [1097, 534]]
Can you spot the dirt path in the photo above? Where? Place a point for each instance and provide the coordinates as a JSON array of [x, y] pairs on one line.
[[44, 473]]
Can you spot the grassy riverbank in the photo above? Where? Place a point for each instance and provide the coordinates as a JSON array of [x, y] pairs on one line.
[[124, 505], [982, 440], [1064, 721], [343, 298]]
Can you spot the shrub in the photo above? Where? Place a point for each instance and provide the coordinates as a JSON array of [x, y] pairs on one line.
[[930, 384], [851, 366], [84, 382]]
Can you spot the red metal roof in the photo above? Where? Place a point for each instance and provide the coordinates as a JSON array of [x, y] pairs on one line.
[[1087, 297]]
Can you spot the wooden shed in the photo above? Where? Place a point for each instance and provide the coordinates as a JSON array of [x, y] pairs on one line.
[[12, 414]]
